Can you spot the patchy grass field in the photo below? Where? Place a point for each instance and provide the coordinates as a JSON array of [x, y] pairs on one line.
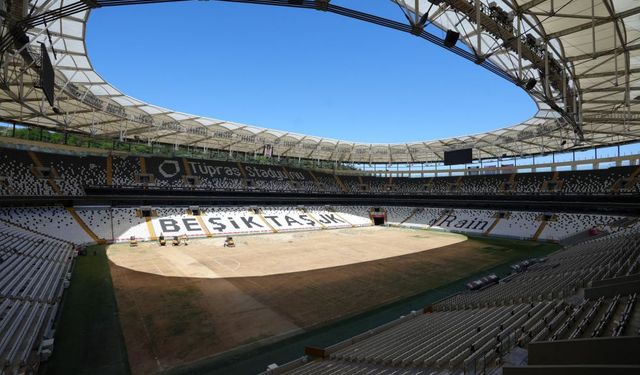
[[210, 325], [173, 321], [89, 340]]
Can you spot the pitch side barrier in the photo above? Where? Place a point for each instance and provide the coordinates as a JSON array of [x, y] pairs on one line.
[[626, 204], [195, 191], [150, 189]]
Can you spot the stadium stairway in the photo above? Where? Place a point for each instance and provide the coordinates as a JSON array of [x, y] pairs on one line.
[[557, 183], [511, 184], [315, 179], [286, 173], [536, 235], [429, 184], [203, 226], [51, 180], [143, 165], [633, 179], [635, 174], [440, 218], [151, 229], [260, 215], [625, 222], [492, 226], [411, 215], [341, 184], [84, 226], [314, 218], [343, 218], [187, 168], [458, 184], [624, 183], [245, 180]]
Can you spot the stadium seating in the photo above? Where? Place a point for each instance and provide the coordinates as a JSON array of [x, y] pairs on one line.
[[468, 331], [327, 217], [74, 172], [48, 174], [126, 171], [126, 223], [99, 219], [521, 225], [475, 332], [34, 271], [53, 221], [97, 223], [397, 215], [357, 216], [575, 223], [18, 171]]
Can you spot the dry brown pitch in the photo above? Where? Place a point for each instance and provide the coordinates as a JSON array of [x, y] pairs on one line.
[[181, 304]]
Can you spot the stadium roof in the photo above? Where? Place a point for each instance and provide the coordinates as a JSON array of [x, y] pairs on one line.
[[587, 85]]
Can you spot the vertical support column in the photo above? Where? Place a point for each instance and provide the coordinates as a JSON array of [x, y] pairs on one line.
[[547, 89], [520, 46], [143, 165], [187, 169], [615, 48], [478, 28], [109, 170], [243, 172], [593, 27]]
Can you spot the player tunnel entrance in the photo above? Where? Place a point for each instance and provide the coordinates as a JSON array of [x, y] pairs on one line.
[[378, 216]]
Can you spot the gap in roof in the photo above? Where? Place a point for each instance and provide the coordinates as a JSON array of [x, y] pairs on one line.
[[299, 70]]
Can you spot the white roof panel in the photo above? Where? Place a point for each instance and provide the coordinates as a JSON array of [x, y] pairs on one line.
[[589, 69]]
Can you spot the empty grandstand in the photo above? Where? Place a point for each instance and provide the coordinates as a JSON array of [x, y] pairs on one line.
[[135, 239]]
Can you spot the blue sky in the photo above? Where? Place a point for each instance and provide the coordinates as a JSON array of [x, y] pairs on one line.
[[299, 70]]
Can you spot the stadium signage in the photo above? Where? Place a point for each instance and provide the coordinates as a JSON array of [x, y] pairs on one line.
[[288, 221], [452, 221], [204, 169], [255, 171], [170, 168], [246, 223]]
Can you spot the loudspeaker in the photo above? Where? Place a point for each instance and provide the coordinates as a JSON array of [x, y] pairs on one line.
[[19, 36], [451, 39], [531, 83]]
